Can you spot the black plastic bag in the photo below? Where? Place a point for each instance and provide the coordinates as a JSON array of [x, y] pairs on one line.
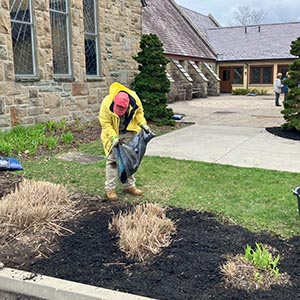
[[9, 164], [129, 155]]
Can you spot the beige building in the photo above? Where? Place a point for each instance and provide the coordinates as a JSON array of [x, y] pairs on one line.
[[59, 57], [251, 56], [228, 58]]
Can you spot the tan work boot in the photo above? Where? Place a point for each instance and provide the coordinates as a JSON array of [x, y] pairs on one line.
[[133, 190], [111, 195]]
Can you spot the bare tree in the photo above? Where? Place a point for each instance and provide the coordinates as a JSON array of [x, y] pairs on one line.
[[244, 15]]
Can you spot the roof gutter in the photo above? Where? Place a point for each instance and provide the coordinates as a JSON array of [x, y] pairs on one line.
[[254, 60]]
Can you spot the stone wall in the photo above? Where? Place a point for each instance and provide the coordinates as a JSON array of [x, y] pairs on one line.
[[200, 81], [192, 80], [213, 85], [47, 98], [181, 88]]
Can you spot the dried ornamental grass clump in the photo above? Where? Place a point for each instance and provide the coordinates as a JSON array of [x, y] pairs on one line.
[[144, 231], [35, 205]]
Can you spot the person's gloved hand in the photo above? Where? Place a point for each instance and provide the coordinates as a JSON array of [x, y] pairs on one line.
[[115, 141], [146, 128]]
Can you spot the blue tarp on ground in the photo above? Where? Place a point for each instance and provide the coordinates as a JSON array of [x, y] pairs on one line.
[[10, 164]]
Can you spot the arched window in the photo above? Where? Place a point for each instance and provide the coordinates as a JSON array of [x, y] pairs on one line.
[[60, 33], [22, 38], [91, 38]]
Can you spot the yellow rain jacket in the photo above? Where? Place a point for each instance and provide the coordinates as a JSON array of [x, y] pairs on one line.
[[110, 121]]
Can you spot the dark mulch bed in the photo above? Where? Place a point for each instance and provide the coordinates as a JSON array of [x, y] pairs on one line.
[[188, 269], [286, 134]]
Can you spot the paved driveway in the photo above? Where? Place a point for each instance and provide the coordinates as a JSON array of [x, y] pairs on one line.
[[230, 130], [229, 110]]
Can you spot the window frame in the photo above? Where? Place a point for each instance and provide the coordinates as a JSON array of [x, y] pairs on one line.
[[97, 42], [69, 43], [34, 75], [261, 67], [230, 72], [282, 68], [241, 68]]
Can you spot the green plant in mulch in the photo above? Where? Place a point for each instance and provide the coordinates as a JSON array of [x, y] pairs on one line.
[[51, 142], [262, 258], [28, 140], [256, 269], [22, 139], [67, 137]]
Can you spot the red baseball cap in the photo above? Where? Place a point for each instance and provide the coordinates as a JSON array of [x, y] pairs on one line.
[[121, 103]]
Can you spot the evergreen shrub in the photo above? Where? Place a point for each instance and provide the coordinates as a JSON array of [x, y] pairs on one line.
[[152, 84], [291, 111]]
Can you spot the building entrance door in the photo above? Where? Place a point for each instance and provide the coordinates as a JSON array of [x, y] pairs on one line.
[[225, 84]]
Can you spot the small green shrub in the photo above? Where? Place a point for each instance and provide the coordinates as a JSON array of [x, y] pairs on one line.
[[262, 92], [67, 137], [239, 92], [262, 258], [62, 124], [22, 139], [50, 126], [5, 147], [28, 139], [249, 91], [51, 142]]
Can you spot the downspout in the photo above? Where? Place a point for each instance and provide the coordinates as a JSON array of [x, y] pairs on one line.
[[247, 75]]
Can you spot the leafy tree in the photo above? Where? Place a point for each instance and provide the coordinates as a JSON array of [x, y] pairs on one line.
[[244, 15], [291, 111], [152, 84]]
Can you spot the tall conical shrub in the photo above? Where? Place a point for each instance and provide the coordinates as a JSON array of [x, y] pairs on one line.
[[291, 111], [152, 84]]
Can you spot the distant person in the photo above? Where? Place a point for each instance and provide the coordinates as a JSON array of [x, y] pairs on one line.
[[285, 88], [277, 88]]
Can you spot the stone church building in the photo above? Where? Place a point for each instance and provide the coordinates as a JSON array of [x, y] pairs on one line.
[[59, 57]]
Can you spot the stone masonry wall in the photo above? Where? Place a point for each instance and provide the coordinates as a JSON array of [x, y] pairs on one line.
[[45, 98], [199, 83], [213, 86], [181, 89]]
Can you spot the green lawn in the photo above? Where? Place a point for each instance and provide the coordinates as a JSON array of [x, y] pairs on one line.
[[260, 200]]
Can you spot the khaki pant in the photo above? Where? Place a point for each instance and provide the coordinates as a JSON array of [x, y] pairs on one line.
[[111, 170]]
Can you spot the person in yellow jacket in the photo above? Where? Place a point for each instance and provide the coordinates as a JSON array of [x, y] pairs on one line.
[[121, 116]]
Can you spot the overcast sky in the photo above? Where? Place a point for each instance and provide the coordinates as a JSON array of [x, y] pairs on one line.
[[278, 11]]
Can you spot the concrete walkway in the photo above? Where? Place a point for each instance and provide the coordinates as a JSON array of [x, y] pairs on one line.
[[230, 130]]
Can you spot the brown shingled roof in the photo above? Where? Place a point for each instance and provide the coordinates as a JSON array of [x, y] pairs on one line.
[[179, 37]]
